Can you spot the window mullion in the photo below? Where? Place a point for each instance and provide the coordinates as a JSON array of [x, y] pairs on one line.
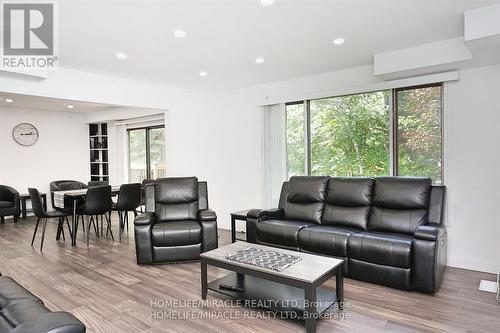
[[393, 131], [307, 137]]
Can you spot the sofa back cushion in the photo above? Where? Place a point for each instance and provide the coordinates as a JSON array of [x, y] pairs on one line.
[[400, 204], [176, 199], [305, 198], [348, 202]]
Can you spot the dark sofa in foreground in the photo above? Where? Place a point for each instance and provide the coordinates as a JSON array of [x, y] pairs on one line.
[[22, 312], [389, 230]]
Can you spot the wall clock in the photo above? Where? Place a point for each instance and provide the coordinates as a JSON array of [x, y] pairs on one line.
[[25, 134]]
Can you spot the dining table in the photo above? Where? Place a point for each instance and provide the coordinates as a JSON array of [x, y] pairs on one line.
[[75, 196]]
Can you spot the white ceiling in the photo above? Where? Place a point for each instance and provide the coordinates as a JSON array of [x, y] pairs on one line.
[[225, 37], [53, 104]]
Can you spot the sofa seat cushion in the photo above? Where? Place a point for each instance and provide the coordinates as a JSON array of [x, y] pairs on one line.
[[6, 204], [327, 240], [176, 233], [5, 326], [10, 292], [281, 232], [381, 248], [19, 312]]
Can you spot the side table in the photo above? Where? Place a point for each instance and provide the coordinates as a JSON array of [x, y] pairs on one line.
[[241, 216], [25, 196]]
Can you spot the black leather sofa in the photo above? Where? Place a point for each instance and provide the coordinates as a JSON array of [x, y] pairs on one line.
[[22, 312], [389, 230], [177, 224], [9, 202]]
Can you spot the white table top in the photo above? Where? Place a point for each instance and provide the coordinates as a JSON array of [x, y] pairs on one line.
[[309, 269]]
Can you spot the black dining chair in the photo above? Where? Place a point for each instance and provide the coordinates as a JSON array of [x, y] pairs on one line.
[[143, 191], [97, 202], [40, 213], [129, 199]]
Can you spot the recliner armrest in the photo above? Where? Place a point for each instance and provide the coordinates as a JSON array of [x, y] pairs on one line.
[[208, 221], [430, 232], [260, 213], [207, 215], [145, 219], [53, 322]]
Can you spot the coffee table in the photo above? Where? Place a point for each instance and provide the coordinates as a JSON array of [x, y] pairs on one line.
[[294, 290]]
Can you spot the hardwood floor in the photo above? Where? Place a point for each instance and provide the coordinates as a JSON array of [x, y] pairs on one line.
[[104, 287]]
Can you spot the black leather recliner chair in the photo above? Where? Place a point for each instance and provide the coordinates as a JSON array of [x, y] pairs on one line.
[[22, 312], [177, 224], [9, 202], [389, 230]]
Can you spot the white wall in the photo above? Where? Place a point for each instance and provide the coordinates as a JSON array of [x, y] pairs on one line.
[[472, 160], [61, 152]]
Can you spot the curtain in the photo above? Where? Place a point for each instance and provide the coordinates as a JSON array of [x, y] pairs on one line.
[[274, 152]]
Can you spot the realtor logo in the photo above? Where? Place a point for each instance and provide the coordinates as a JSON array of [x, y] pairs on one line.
[[28, 35]]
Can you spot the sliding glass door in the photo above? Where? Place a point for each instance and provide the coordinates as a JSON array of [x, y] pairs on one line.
[[146, 151]]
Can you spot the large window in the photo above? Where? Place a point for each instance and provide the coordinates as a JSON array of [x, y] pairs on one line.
[[418, 137], [390, 132], [146, 153]]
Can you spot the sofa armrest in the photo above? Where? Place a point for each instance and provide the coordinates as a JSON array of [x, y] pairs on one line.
[[430, 232], [255, 215], [145, 219], [265, 213], [143, 244], [429, 257], [52, 322], [207, 215], [209, 236]]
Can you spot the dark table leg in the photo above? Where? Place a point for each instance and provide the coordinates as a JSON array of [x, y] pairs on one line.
[[58, 233], [23, 207], [233, 229], [339, 281], [73, 238], [44, 197], [204, 287], [310, 309]]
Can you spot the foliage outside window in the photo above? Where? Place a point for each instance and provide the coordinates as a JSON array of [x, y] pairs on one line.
[[295, 139], [419, 132], [351, 135], [146, 155]]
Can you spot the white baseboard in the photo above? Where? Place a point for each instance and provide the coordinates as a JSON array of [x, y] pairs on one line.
[[486, 267]]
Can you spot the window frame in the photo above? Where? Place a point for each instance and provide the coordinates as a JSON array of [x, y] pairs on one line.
[[393, 123], [148, 147]]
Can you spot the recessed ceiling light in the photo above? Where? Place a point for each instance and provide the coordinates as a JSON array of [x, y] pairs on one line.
[[8, 100], [259, 60], [338, 41], [266, 2], [69, 106], [203, 74], [121, 55], [179, 33]]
